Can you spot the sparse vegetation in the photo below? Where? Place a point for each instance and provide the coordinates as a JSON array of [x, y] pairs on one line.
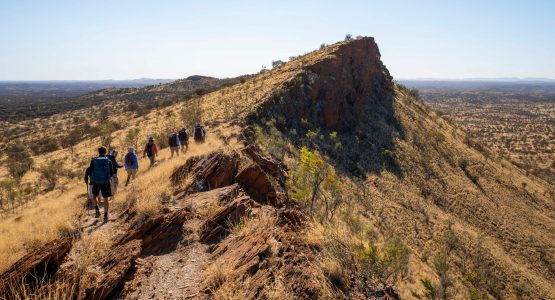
[[19, 160], [315, 185], [382, 266]]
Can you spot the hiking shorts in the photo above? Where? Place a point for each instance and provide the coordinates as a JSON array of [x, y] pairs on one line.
[[102, 188]]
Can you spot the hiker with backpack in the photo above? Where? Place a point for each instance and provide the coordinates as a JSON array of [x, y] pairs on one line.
[[183, 139], [114, 181], [131, 163], [173, 142], [151, 150], [99, 173], [199, 134]]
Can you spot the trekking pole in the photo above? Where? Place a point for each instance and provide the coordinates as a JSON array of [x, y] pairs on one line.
[[87, 205]]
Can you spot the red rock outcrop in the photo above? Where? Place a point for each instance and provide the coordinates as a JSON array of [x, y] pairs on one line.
[[257, 184], [40, 263], [221, 169], [158, 233], [214, 171], [334, 91], [217, 227], [111, 269]]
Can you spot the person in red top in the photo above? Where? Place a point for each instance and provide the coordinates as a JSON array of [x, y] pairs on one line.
[[151, 150]]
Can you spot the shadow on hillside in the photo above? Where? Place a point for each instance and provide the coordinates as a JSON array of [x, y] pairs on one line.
[[364, 146]]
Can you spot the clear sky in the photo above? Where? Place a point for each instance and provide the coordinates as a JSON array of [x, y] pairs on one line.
[[47, 40]]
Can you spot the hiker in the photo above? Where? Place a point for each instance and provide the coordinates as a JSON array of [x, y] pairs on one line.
[[151, 150], [199, 134], [173, 142], [131, 163], [99, 173], [184, 139], [114, 181]]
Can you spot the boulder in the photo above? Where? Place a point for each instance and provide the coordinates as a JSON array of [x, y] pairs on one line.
[[271, 166], [257, 184], [214, 171]]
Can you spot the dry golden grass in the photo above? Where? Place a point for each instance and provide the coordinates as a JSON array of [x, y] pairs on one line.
[[232, 290], [277, 290], [264, 221], [58, 290], [416, 207], [216, 274], [53, 213], [38, 223]]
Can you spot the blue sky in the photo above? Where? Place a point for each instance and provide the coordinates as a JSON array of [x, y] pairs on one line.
[[50, 40]]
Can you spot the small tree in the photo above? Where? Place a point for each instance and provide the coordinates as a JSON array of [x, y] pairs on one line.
[[19, 161], [442, 268], [192, 113], [71, 139], [8, 192], [383, 266], [314, 182], [50, 174], [277, 63], [106, 130], [132, 137], [348, 37]]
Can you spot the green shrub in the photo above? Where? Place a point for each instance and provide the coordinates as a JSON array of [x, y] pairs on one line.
[[383, 267], [315, 185], [430, 290]]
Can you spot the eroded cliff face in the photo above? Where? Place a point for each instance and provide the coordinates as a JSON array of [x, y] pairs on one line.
[[334, 92]]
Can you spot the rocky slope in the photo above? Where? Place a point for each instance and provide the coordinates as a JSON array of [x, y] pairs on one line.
[[474, 225]]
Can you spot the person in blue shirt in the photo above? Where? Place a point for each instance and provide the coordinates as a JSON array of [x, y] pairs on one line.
[[99, 173], [131, 164]]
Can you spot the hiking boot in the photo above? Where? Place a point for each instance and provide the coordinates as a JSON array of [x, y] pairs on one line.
[[105, 217], [97, 213]]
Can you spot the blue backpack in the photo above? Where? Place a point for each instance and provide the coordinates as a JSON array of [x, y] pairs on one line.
[[101, 170]]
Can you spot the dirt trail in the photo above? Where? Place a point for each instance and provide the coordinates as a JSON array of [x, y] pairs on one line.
[[175, 275], [178, 273]]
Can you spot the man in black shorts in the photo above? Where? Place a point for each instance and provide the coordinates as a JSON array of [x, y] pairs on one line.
[[100, 171]]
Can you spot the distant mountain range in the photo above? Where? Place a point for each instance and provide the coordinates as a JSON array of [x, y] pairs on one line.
[[480, 79]]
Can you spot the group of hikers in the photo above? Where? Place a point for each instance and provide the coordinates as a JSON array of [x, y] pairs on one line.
[[101, 176]]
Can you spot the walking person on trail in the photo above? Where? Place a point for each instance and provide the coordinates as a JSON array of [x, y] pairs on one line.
[[151, 150], [199, 134], [99, 173], [114, 181], [183, 139], [131, 163], [173, 142]]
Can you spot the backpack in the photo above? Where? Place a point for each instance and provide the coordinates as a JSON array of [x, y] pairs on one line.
[[149, 149], [199, 133], [101, 170], [129, 159], [183, 136], [173, 140]]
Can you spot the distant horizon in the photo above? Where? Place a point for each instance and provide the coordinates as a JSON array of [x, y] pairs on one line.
[[484, 79], [94, 40]]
